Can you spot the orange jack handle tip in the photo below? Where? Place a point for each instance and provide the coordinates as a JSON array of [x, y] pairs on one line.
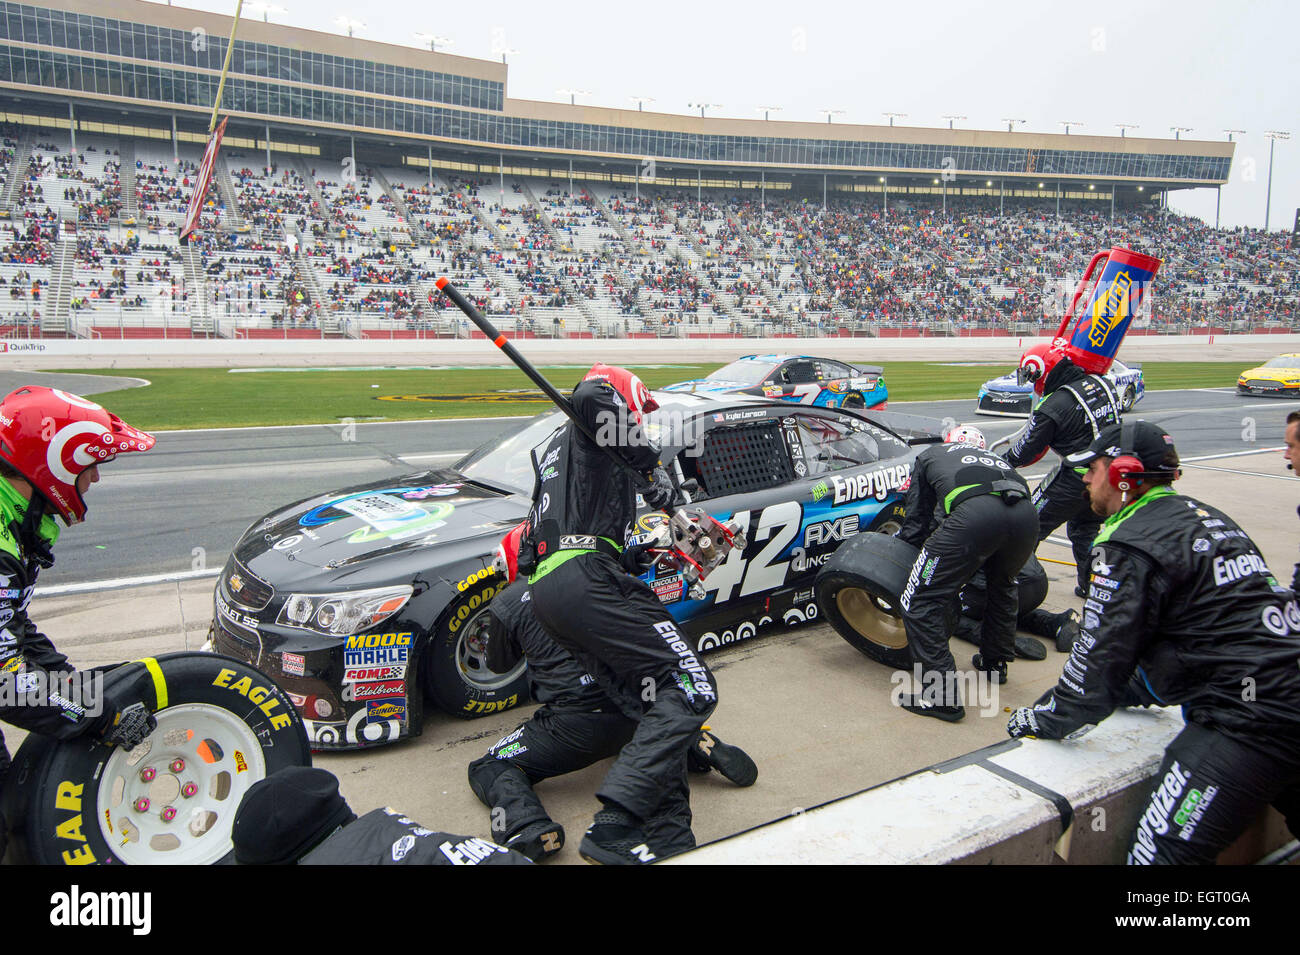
[[441, 283], [499, 341]]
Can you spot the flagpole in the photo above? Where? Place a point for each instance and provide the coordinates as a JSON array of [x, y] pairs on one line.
[[225, 68]]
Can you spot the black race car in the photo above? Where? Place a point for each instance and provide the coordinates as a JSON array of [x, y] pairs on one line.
[[361, 603]]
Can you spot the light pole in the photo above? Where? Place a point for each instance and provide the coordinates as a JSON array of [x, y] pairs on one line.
[[1067, 123], [1012, 123], [703, 106], [1273, 136], [266, 8], [951, 118], [349, 24], [765, 110], [828, 113], [894, 116], [641, 101], [433, 39], [1124, 128], [503, 55], [573, 94], [1179, 130]]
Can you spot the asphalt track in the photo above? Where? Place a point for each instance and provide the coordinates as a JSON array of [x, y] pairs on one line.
[[180, 508]]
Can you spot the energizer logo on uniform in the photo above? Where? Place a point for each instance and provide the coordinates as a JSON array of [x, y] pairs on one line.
[[687, 662]]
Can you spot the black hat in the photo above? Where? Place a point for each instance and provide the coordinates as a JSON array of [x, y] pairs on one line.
[[1147, 442], [286, 814]]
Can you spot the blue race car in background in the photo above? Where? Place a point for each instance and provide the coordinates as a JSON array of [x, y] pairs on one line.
[[801, 379], [1008, 397]]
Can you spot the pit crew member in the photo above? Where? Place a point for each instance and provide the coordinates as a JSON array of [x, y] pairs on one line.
[[1075, 409], [1181, 610], [988, 524]]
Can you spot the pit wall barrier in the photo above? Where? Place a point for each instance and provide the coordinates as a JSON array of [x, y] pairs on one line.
[[1004, 804]]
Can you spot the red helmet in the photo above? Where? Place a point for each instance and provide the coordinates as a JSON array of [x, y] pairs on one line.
[[1038, 361], [50, 437], [507, 557], [628, 385]]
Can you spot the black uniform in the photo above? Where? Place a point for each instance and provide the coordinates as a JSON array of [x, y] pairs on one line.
[[386, 837], [1077, 407], [988, 525], [1031, 590], [1181, 610], [583, 508], [26, 654], [578, 724]]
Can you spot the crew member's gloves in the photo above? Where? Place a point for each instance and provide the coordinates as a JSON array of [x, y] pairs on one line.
[[128, 727], [1022, 723], [660, 493], [636, 559]]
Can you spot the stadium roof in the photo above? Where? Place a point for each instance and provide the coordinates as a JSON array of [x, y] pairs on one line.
[[156, 60]]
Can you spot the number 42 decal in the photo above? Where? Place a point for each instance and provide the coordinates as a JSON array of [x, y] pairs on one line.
[[777, 525]]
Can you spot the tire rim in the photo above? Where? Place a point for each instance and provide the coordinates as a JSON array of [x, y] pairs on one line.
[[188, 768], [872, 617], [471, 657]]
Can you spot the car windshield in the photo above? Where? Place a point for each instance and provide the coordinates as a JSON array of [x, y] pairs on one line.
[[1283, 361], [504, 460], [748, 370]]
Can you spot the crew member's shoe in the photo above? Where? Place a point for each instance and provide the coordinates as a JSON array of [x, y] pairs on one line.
[[1027, 648], [916, 703], [538, 840], [615, 837], [996, 669], [1067, 631], [1079, 591], [732, 761]]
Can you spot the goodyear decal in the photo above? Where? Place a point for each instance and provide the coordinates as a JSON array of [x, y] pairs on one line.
[[477, 577], [471, 604], [67, 798]]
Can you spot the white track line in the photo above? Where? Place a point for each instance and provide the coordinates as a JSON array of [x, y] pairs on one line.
[[118, 583], [339, 424]]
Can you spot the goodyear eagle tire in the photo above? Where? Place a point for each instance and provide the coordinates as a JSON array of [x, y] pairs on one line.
[[858, 591], [222, 726], [456, 674], [1128, 399]]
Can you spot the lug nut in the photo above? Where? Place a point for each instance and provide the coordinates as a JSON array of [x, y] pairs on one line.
[[148, 774], [177, 765], [142, 804], [168, 814], [188, 790]]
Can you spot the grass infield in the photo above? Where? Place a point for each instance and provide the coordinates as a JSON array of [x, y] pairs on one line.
[[180, 398]]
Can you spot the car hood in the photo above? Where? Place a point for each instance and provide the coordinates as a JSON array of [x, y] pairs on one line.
[[1271, 374], [353, 535], [706, 386]]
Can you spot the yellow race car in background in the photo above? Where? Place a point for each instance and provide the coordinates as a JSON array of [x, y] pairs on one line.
[[1278, 377]]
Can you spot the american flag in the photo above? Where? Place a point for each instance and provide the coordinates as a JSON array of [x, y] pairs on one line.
[[201, 186]]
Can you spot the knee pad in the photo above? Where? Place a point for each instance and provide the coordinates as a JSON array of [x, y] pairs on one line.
[[485, 771]]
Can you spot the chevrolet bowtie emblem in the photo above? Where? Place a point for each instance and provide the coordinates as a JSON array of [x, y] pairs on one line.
[[236, 583]]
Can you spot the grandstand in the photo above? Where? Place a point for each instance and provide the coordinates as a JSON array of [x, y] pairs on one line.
[[354, 173]]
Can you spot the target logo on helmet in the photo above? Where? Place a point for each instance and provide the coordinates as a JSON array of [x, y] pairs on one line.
[[629, 387]]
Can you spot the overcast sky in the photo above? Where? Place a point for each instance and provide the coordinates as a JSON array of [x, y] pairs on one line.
[[1208, 66]]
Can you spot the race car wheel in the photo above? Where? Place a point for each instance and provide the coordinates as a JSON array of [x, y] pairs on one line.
[[854, 401], [858, 591], [889, 520], [222, 726], [1128, 399], [456, 674]]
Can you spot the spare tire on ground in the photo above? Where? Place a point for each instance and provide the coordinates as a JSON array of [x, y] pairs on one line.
[[858, 590], [222, 726]]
